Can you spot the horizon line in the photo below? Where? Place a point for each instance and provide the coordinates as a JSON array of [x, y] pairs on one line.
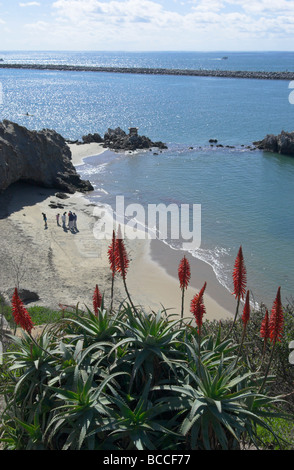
[[148, 51]]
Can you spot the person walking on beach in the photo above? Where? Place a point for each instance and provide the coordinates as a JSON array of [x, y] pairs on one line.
[[45, 219], [57, 219], [63, 219], [75, 221], [70, 220]]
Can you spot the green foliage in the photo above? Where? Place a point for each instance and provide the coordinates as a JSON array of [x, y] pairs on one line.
[[44, 315], [5, 313], [132, 380], [40, 315], [252, 350], [284, 429]]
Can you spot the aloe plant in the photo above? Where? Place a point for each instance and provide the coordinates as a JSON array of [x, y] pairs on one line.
[[78, 411], [153, 339], [136, 423], [131, 380], [94, 328], [213, 406]]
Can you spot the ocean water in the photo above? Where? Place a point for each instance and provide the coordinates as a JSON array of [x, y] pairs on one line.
[[221, 60], [246, 196]]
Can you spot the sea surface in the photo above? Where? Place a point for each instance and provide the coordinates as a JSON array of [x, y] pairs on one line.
[[246, 195]]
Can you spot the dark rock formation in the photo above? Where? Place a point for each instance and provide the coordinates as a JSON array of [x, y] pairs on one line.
[[282, 143], [117, 139], [25, 295], [62, 195], [88, 139], [37, 157]]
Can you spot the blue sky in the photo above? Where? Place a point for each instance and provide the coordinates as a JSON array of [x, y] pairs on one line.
[[146, 25]]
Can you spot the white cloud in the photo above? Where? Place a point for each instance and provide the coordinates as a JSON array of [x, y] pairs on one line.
[[95, 9], [149, 25], [212, 6], [30, 4], [266, 6], [38, 26]]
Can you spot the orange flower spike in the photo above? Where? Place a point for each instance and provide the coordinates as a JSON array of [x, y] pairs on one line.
[[264, 329], [239, 276], [121, 256], [276, 321], [184, 273], [20, 314], [198, 307], [97, 300]]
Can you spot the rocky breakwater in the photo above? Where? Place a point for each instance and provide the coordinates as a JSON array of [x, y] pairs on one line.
[[117, 139], [37, 157], [282, 143], [259, 75]]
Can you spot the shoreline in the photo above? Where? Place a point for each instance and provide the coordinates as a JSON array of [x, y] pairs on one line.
[[259, 75], [155, 282], [63, 267], [154, 259], [81, 151], [223, 301]]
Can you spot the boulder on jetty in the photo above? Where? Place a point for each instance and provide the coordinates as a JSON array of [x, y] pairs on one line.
[[118, 139], [37, 157], [282, 143], [90, 138]]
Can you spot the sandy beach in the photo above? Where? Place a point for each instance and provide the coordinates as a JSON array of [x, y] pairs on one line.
[[79, 152], [63, 266]]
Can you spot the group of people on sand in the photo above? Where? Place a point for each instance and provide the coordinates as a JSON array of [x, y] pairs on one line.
[[68, 221]]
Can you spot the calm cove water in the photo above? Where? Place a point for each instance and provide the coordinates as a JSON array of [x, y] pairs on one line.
[[246, 196]]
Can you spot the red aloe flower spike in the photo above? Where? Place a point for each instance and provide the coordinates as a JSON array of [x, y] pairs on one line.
[[198, 307], [122, 262], [121, 257], [97, 300], [111, 254], [20, 314], [276, 322], [264, 329], [246, 311], [184, 273], [239, 276], [276, 319], [111, 258]]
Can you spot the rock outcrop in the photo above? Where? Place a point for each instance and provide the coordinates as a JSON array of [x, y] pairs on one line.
[[282, 143], [90, 138], [117, 139], [25, 295], [38, 157]]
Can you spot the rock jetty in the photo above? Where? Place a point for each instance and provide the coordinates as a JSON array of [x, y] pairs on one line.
[[90, 138], [118, 139], [260, 75], [282, 143], [38, 157]]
